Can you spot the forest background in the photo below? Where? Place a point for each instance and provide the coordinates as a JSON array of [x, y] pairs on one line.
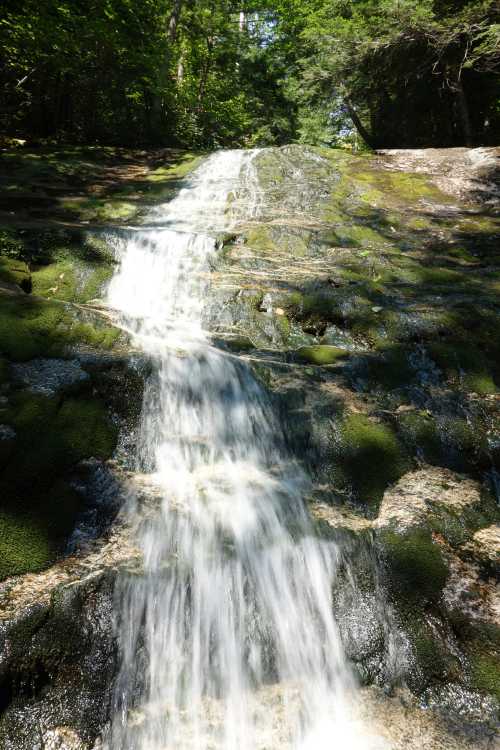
[[216, 73]]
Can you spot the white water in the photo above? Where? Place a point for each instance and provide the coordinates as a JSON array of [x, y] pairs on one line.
[[228, 639]]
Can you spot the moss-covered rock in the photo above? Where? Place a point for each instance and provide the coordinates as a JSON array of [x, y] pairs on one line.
[[485, 673], [39, 504], [416, 569], [15, 271], [24, 544], [437, 500], [466, 365], [30, 327], [322, 354], [368, 457]]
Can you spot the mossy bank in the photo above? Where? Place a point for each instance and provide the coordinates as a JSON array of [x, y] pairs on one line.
[[66, 383]]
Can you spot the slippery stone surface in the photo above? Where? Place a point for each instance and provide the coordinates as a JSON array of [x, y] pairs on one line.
[[48, 376], [486, 547], [423, 495], [364, 294]]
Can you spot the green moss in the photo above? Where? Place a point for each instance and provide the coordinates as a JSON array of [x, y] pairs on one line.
[[415, 566], [419, 223], [70, 280], [99, 209], [480, 383], [85, 429], [32, 328], [15, 271], [24, 545], [398, 186], [441, 276], [322, 354], [32, 537], [465, 443], [56, 280], [10, 245], [29, 329], [239, 343], [462, 362], [485, 670], [31, 412], [488, 225], [435, 660], [313, 307], [420, 432], [39, 507], [259, 237], [188, 162], [72, 430], [369, 457], [390, 368]]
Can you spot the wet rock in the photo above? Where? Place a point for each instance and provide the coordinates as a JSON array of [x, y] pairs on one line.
[[475, 712], [48, 376], [58, 668], [58, 648], [356, 263], [401, 721], [415, 566], [485, 548], [7, 432], [431, 496]]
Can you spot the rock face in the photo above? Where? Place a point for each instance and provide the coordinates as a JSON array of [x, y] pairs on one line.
[[364, 294]]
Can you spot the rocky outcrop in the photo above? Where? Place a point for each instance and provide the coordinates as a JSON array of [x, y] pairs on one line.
[[364, 295]]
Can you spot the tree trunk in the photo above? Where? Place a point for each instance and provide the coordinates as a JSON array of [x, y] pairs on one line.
[[365, 135], [174, 21], [180, 69], [463, 113], [158, 101], [204, 75]]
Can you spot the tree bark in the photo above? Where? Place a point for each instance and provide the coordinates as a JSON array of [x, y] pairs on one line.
[[158, 101], [365, 135], [463, 112], [174, 21]]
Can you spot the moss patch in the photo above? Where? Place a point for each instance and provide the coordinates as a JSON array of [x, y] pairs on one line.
[[32, 328], [15, 271], [24, 545], [369, 457], [465, 364], [322, 354], [39, 507], [486, 674], [415, 566]]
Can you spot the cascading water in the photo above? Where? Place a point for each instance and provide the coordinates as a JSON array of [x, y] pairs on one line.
[[228, 639]]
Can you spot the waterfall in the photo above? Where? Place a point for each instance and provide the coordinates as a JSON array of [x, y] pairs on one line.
[[228, 640]]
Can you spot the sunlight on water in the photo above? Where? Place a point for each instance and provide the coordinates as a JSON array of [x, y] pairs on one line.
[[228, 639]]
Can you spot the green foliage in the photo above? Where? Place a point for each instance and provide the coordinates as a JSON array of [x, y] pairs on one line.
[[143, 71], [403, 72], [139, 71]]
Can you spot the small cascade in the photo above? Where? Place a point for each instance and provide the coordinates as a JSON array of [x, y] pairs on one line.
[[228, 640]]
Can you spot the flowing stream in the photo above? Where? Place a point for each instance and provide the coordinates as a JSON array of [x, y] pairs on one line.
[[228, 639]]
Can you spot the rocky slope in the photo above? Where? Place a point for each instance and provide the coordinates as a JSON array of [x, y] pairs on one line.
[[365, 296]]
